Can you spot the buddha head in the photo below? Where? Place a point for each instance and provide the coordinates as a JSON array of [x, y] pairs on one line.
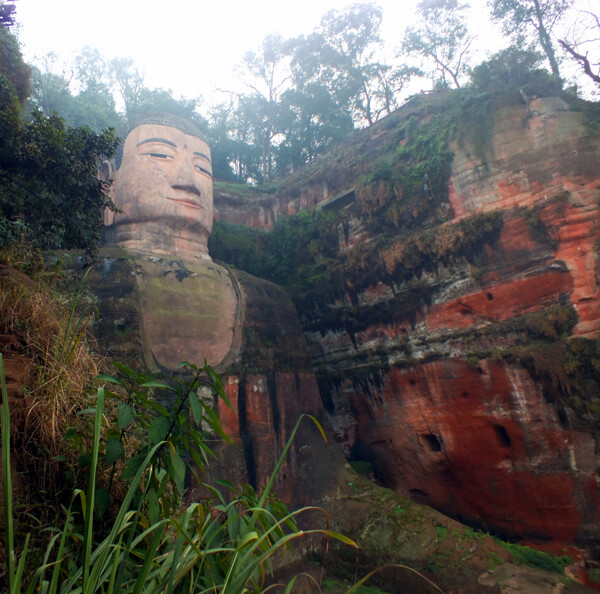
[[162, 188]]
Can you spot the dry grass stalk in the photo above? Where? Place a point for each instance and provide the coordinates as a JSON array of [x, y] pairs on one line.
[[62, 365]]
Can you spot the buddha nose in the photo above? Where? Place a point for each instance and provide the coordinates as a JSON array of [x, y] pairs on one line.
[[184, 179]]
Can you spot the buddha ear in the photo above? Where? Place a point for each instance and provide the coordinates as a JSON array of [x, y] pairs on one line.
[[106, 175]]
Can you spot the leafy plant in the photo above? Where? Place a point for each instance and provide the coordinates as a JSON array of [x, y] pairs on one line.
[[144, 419], [227, 548]]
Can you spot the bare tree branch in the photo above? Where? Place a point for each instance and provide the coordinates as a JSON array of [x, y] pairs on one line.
[[583, 60]]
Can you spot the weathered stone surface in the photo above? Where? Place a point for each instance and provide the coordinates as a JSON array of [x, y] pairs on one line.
[[479, 443], [500, 301], [510, 579], [267, 406], [255, 210], [493, 441], [531, 163], [161, 312]]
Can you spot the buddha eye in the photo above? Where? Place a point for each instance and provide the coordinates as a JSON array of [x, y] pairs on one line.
[[158, 155], [203, 170]]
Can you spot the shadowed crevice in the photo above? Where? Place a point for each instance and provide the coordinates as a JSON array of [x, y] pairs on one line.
[[247, 444], [272, 389]]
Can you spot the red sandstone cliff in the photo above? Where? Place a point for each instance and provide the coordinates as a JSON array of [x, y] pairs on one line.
[[471, 383], [502, 441]]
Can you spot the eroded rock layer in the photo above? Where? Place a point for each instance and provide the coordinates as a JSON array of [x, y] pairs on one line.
[[478, 441], [471, 382]]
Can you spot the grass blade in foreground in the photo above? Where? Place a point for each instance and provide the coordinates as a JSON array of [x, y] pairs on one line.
[[7, 483]]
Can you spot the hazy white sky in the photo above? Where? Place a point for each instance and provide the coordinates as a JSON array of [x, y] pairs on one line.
[[189, 46], [192, 46]]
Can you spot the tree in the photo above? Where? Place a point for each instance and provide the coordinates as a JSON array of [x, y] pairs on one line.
[[81, 92], [343, 54], [233, 137], [353, 37], [225, 153], [513, 72], [49, 91], [311, 122], [49, 191], [162, 100], [252, 129], [7, 13], [128, 81], [540, 16], [63, 203], [581, 44], [386, 85], [10, 113], [12, 65], [442, 38], [270, 72], [94, 104], [306, 94]]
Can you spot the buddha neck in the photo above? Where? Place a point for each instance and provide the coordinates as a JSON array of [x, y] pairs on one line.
[[154, 237]]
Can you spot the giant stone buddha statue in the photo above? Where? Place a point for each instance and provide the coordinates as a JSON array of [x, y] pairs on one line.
[[162, 188], [163, 300]]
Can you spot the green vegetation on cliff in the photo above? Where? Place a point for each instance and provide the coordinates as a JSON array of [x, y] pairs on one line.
[[50, 195], [400, 212]]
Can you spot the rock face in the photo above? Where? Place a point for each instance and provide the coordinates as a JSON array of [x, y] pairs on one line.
[[459, 356], [151, 311], [547, 157], [480, 443], [476, 403]]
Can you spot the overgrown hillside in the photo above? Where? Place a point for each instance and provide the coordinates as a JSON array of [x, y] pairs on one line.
[[451, 263]]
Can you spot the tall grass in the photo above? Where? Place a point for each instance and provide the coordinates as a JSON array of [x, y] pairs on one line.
[[54, 337], [200, 551]]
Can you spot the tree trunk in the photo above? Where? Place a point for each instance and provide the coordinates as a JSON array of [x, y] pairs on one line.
[[545, 40]]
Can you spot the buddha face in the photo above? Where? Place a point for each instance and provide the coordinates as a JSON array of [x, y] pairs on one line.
[[165, 183]]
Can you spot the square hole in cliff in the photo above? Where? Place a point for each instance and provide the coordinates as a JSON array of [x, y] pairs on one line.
[[430, 442], [502, 436]]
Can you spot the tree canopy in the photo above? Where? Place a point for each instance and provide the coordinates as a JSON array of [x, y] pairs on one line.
[[49, 192], [302, 95], [581, 43], [441, 38], [12, 65], [539, 16]]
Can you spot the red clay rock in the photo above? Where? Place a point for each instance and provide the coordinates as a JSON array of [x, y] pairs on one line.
[[531, 164], [482, 445], [501, 302]]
